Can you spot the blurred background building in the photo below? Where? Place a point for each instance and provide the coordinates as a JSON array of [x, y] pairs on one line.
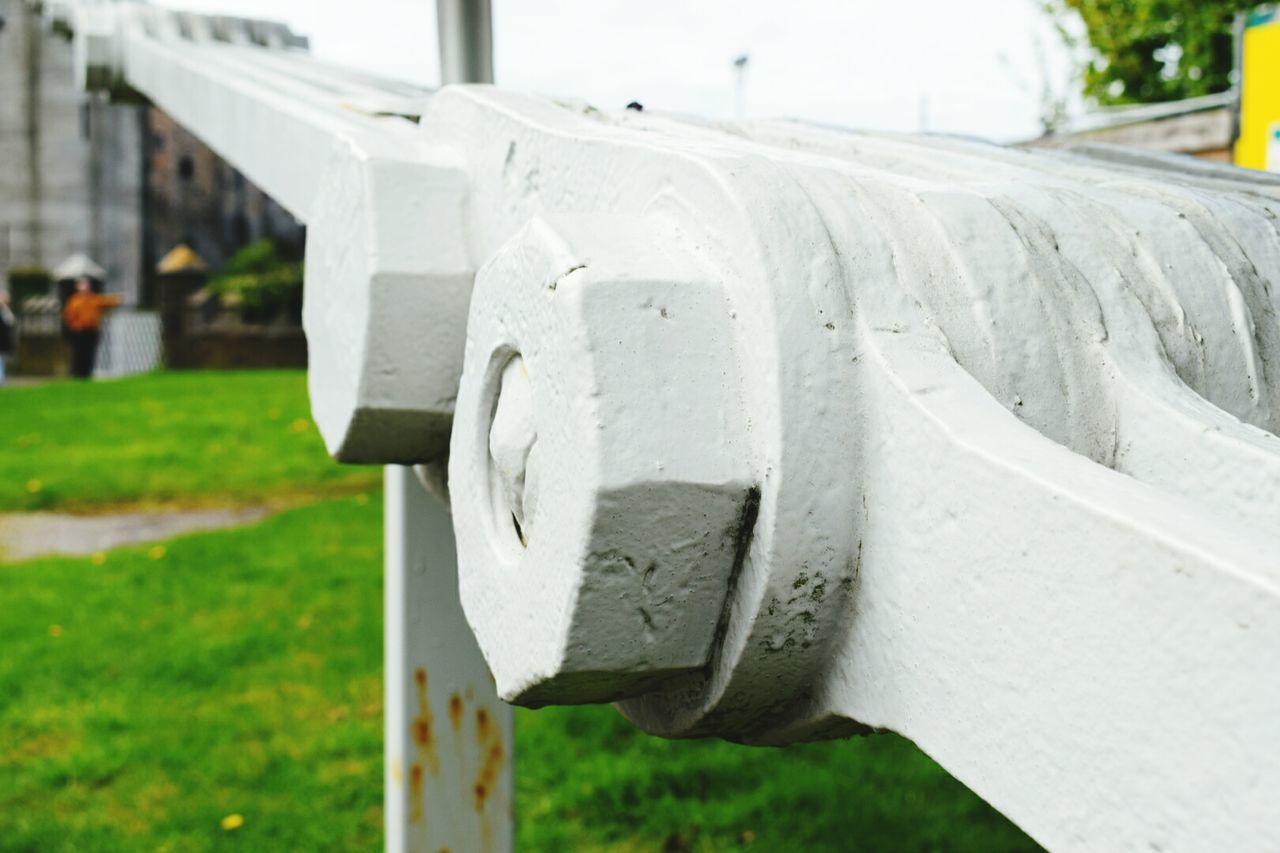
[[72, 179], [119, 184], [196, 199], [1204, 127]]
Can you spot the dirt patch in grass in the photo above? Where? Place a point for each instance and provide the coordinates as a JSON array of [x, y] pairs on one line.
[[26, 535], [37, 534]]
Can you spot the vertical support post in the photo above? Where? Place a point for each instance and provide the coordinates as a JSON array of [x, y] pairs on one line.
[[449, 739], [448, 777]]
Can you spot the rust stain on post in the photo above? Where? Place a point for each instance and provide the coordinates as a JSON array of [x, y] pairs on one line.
[[415, 793], [423, 736], [422, 728], [455, 711], [489, 741]]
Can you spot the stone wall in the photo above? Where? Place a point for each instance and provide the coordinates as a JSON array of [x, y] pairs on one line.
[[72, 175], [196, 198], [240, 348]]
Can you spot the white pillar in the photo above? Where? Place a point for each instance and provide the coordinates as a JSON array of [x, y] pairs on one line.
[[448, 737]]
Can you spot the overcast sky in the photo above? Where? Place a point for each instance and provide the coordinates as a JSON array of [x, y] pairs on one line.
[[975, 67]]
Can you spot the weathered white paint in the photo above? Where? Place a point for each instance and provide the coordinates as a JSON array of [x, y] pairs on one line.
[[1011, 421], [458, 790], [387, 280], [582, 519], [776, 432]]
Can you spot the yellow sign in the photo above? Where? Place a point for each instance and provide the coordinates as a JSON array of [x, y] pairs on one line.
[[1259, 144]]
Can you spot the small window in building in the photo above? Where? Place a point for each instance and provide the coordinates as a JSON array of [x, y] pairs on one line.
[[186, 168]]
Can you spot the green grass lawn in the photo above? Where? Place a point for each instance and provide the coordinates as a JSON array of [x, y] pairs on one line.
[[587, 779], [167, 437], [144, 699], [148, 693]]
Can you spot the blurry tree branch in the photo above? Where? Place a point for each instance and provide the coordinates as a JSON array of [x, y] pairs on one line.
[[1146, 51]]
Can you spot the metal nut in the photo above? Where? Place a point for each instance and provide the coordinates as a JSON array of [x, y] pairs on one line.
[[388, 279], [598, 471]]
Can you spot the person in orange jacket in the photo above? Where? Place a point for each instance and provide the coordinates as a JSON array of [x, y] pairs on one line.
[[83, 318]]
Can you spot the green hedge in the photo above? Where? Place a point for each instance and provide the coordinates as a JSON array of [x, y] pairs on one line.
[[260, 283], [25, 282]]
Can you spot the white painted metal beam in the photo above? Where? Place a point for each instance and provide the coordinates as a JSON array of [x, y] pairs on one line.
[[1015, 461], [776, 433], [383, 257]]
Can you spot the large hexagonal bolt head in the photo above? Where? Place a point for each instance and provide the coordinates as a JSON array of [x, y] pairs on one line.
[[599, 471], [385, 305]]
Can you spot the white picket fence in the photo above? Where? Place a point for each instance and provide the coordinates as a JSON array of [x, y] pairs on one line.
[[781, 433]]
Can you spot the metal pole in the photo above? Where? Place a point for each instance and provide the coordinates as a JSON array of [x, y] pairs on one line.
[[465, 28], [448, 778]]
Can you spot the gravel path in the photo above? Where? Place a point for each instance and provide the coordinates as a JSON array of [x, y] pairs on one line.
[[35, 534]]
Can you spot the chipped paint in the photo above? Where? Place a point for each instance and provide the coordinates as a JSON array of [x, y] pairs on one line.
[[455, 711], [489, 746], [415, 793]]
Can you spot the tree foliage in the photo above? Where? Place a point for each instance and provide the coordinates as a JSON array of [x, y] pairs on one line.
[[260, 283], [1146, 51]]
